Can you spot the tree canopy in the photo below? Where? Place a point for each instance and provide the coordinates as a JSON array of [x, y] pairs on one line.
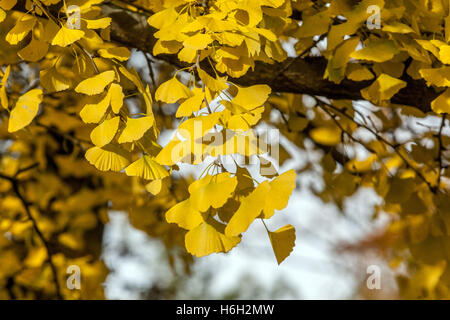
[[363, 84]]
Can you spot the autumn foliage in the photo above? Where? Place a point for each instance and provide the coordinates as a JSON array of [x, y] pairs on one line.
[[80, 129]]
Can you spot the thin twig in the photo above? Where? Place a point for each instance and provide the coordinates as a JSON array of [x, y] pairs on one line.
[[150, 69], [32, 166], [77, 141], [385, 141], [89, 56], [333, 116], [441, 149], [15, 186]]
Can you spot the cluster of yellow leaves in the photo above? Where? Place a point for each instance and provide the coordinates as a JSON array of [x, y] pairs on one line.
[[385, 55], [219, 195], [115, 128], [230, 36], [237, 203], [220, 40]]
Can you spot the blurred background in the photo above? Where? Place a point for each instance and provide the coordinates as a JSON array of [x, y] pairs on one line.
[[322, 266]]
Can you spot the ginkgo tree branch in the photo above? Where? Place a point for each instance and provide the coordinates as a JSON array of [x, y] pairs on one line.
[[303, 76]]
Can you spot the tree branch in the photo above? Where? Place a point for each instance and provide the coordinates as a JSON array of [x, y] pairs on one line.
[[302, 76], [379, 137]]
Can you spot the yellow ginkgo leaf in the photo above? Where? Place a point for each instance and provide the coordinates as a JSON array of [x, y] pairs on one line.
[[70, 240], [212, 191], [382, 89], [208, 238], [2, 15], [436, 76], [337, 64], [442, 103], [119, 53], [283, 242], [252, 97], [253, 42], [171, 91], [53, 81], [34, 51], [133, 77], [397, 27], [356, 165], [245, 144], [163, 18], [170, 47], [444, 54], [229, 38], [116, 97], [173, 152], [212, 84], [154, 187], [7, 4], [266, 33], [66, 36], [136, 128], [94, 112], [21, 29], [195, 128], [109, 157], [188, 55], [27, 107], [98, 23], [429, 46], [198, 42], [242, 121], [378, 51], [200, 183], [105, 132], [3, 98], [191, 104], [281, 189], [184, 215], [250, 208], [3, 95], [36, 257], [5, 75], [50, 2], [328, 136], [357, 72], [146, 168], [96, 84], [148, 101]]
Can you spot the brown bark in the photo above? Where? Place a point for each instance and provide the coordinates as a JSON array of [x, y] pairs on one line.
[[303, 76]]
